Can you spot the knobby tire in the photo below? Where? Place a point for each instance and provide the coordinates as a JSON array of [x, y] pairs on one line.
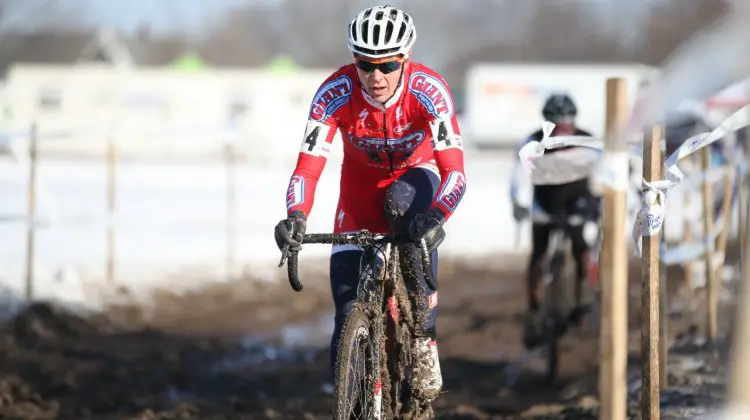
[[556, 316], [357, 329]]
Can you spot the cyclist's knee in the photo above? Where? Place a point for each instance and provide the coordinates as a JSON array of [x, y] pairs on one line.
[[409, 195], [398, 199]]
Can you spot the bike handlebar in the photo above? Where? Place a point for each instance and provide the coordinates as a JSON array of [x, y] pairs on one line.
[[361, 238]]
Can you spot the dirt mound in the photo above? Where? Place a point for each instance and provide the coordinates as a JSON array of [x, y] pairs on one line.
[[44, 320], [58, 364]]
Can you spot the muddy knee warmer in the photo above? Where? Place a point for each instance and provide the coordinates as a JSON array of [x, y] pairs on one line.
[[408, 196], [411, 270]]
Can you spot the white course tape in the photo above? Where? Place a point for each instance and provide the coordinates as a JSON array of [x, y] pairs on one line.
[[613, 169], [613, 172], [535, 149], [735, 122], [610, 169], [651, 215], [564, 166]]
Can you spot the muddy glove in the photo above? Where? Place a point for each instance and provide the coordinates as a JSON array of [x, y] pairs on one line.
[[290, 231], [520, 212], [428, 226]]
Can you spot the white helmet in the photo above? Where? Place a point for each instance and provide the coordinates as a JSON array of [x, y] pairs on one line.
[[381, 31]]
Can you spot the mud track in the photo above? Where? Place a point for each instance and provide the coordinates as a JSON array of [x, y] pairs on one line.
[[256, 351]]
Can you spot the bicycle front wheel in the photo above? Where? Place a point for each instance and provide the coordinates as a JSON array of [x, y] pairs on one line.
[[357, 391], [555, 319]]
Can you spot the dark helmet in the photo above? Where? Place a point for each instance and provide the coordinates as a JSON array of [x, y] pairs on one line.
[[559, 106]]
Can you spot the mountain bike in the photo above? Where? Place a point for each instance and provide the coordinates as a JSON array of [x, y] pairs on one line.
[[379, 328], [555, 313]]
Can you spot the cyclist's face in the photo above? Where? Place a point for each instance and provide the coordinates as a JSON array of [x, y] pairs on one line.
[[565, 125], [380, 77]]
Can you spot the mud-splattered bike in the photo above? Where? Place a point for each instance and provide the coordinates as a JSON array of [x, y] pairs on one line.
[[372, 374], [556, 314]]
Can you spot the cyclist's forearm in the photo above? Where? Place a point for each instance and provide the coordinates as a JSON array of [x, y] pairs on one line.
[[515, 181], [450, 162], [301, 191], [313, 154]]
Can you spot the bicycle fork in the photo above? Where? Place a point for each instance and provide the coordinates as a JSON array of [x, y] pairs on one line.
[[556, 297], [370, 292]]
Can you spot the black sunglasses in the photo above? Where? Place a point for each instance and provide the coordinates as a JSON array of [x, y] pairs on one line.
[[385, 68]]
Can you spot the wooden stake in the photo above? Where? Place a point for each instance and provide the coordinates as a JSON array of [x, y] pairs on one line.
[[687, 238], [739, 386], [742, 218], [31, 212], [231, 211], [650, 289], [709, 245], [663, 319], [663, 290], [726, 218], [614, 326], [111, 209]]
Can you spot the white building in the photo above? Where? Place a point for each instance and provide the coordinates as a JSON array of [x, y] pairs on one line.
[[161, 109]]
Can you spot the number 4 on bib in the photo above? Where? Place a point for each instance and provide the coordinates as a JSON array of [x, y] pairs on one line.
[[316, 139], [312, 139], [443, 136]]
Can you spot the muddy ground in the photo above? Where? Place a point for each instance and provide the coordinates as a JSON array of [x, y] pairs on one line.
[[259, 351]]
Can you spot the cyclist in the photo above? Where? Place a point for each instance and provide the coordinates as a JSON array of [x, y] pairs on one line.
[[402, 169], [572, 197]]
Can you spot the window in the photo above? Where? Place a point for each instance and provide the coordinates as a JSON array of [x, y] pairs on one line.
[[239, 107], [50, 99]]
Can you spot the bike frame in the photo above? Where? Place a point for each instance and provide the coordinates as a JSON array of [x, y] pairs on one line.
[[378, 271], [556, 300]]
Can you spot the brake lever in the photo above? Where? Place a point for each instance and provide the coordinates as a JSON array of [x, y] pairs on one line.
[[427, 265], [284, 254]]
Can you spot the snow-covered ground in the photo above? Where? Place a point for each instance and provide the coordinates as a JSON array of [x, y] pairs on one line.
[[171, 222]]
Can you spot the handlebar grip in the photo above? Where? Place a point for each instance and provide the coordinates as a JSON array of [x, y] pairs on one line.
[[427, 266], [291, 268]]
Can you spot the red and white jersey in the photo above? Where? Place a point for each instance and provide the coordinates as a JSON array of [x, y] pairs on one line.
[[416, 127]]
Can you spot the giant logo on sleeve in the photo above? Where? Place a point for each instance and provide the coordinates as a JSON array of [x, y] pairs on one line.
[[330, 97], [295, 194], [453, 191], [431, 93]]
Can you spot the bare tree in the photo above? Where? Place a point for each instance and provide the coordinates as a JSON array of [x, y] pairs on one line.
[[35, 15], [455, 33]]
